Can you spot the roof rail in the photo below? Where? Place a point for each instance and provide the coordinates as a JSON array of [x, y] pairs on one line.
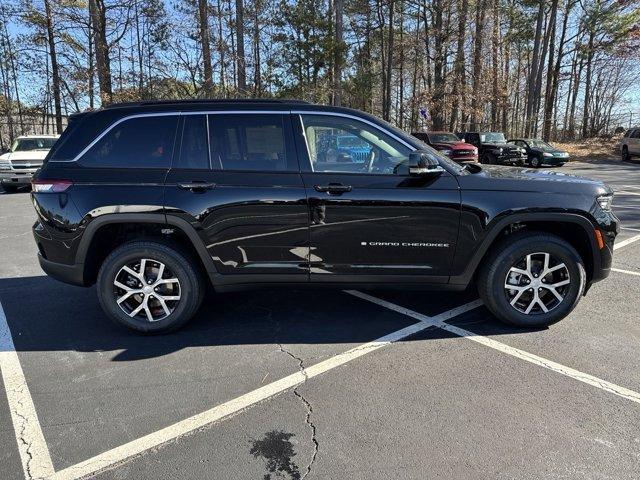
[[205, 101]]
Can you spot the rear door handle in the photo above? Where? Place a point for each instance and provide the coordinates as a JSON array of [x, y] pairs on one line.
[[196, 186], [333, 188]]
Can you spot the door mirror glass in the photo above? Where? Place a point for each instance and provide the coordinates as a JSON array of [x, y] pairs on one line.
[[422, 163]]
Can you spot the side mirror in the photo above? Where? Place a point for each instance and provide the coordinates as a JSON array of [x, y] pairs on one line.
[[423, 163]]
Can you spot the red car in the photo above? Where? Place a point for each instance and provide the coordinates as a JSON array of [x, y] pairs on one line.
[[450, 145]]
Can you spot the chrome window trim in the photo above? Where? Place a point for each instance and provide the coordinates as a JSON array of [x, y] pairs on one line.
[[169, 114], [353, 117]]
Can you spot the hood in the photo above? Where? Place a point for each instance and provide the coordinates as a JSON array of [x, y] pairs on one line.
[[504, 146], [454, 145], [37, 155], [533, 180]]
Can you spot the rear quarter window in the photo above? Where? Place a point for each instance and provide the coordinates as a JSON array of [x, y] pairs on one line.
[[143, 142]]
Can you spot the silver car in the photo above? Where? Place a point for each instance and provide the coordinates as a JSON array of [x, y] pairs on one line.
[[23, 159], [630, 144]]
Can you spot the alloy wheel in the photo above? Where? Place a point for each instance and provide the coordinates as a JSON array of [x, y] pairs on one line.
[[147, 289], [537, 283]]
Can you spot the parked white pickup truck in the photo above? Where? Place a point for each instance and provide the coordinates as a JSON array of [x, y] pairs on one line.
[[25, 156]]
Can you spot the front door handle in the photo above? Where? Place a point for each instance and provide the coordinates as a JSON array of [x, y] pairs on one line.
[[196, 186], [333, 188]]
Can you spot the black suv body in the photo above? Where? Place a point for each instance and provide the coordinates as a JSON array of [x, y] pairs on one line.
[[148, 200], [493, 148]]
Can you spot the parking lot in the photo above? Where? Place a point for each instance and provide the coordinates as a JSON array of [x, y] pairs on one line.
[[320, 384]]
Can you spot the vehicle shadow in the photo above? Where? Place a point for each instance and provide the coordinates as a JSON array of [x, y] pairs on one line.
[[45, 315]]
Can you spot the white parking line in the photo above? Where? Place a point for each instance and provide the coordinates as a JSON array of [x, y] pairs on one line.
[[34, 453], [626, 242], [619, 270], [501, 347], [237, 405], [629, 228], [622, 192]]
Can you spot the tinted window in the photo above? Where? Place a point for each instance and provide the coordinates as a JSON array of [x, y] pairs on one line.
[[366, 149], [253, 142], [194, 151], [636, 133], [145, 142]]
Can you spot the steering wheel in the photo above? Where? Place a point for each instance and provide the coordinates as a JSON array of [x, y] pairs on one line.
[[371, 160]]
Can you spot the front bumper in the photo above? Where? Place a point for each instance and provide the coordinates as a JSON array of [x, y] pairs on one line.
[[554, 160]]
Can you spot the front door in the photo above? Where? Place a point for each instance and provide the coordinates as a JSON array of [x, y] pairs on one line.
[[236, 179], [370, 220]]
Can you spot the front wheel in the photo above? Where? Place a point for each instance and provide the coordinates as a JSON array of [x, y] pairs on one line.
[[625, 154], [532, 280], [535, 162], [488, 159], [149, 287]]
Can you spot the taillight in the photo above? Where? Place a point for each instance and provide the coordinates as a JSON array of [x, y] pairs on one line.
[[50, 186]]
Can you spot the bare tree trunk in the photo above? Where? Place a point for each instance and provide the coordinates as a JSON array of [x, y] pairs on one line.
[[438, 67], [55, 70], [257, 79], [386, 107], [203, 20], [459, 80], [535, 63], [338, 7], [476, 96], [103, 63], [240, 60], [495, 45], [587, 86]]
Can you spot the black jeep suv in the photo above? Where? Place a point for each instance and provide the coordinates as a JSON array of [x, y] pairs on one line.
[[152, 200], [493, 148]]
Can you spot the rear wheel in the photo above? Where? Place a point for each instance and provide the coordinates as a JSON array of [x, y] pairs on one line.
[[533, 280], [10, 188], [149, 287], [625, 154]]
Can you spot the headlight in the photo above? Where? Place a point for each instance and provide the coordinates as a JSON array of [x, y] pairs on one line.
[[446, 151], [547, 154], [475, 151], [5, 166], [605, 201]]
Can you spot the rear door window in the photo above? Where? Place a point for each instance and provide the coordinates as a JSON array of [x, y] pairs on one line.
[[143, 142], [251, 142]]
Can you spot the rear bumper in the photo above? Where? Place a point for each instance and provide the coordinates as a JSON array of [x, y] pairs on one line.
[[71, 274]]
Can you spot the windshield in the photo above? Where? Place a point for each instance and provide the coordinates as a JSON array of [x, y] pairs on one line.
[[26, 144], [442, 137], [540, 144], [493, 138]]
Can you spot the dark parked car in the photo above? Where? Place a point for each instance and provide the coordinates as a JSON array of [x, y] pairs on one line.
[[450, 145], [493, 148], [541, 153], [151, 201]]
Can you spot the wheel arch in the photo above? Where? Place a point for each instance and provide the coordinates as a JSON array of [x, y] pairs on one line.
[[576, 229], [105, 233]]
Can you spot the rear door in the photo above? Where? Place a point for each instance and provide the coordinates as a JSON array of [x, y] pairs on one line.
[[370, 221], [236, 180]]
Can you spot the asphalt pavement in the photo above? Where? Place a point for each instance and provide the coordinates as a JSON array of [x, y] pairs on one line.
[[320, 384]]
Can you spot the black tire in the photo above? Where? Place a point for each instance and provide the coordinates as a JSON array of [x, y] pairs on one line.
[[10, 188], [535, 162], [625, 154], [488, 159], [493, 275], [191, 285]]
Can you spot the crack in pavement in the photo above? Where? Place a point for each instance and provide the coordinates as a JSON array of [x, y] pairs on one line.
[[305, 402], [308, 407]]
